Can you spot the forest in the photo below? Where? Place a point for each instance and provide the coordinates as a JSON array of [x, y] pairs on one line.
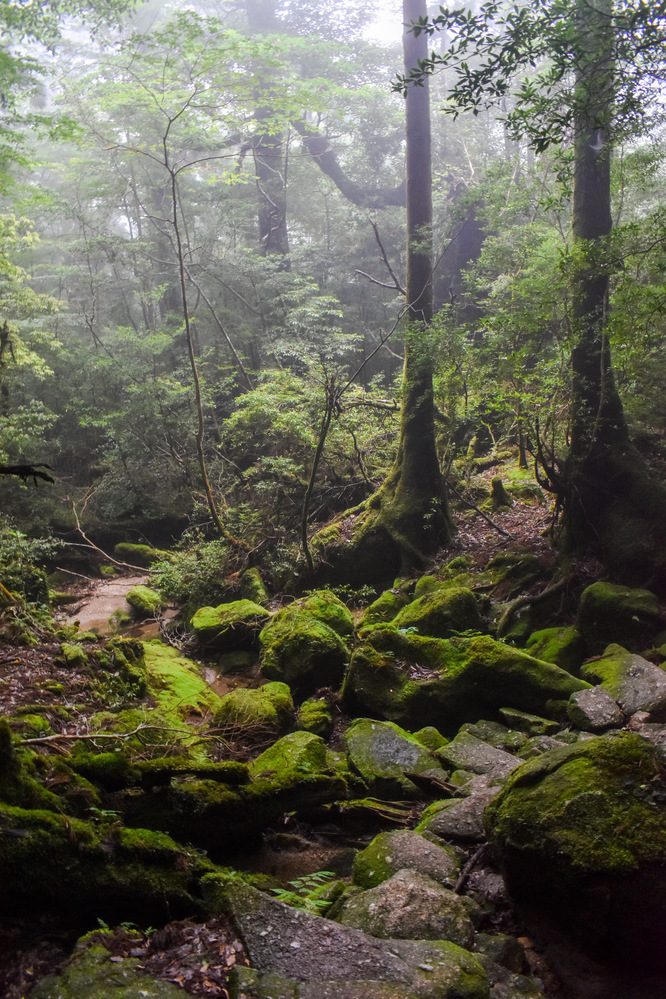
[[333, 499]]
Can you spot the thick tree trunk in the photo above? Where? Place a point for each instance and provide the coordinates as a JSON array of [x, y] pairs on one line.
[[611, 505], [407, 519]]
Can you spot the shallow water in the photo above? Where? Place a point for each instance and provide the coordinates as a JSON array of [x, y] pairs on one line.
[[102, 599]]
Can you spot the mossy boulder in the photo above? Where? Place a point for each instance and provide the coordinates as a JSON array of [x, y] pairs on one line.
[[93, 973], [252, 587], [410, 906], [384, 608], [302, 651], [177, 683], [300, 752], [402, 849], [267, 710], [382, 753], [72, 655], [580, 833], [416, 681], [315, 715], [54, 863], [441, 613], [609, 613], [323, 605], [145, 601], [235, 625], [562, 646], [141, 555], [635, 683]]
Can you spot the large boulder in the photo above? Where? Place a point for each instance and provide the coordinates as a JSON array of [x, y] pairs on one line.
[[93, 972], [329, 959], [303, 650], [416, 681], [267, 711], [580, 833], [402, 849], [234, 625], [382, 753], [410, 906], [635, 683], [609, 613], [441, 613]]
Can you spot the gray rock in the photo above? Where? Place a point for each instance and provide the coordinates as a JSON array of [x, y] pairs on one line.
[[635, 683], [92, 973], [327, 956], [594, 710], [381, 753], [461, 819], [410, 906], [466, 752], [538, 745], [402, 849]]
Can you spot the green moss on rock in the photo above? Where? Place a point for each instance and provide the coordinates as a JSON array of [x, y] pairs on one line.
[[441, 613], [93, 973], [382, 753], [609, 613], [302, 651], [234, 625], [268, 709], [144, 600], [316, 716], [384, 608], [562, 646], [142, 555]]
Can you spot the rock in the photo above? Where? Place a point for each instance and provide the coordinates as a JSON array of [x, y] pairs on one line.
[[315, 716], [460, 819], [176, 682], [93, 973], [323, 606], [538, 745], [608, 613], [252, 587], [314, 950], [234, 625], [267, 710], [496, 735], [525, 722], [298, 752], [303, 651], [144, 600], [410, 906], [635, 683], [506, 985], [402, 849], [381, 752], [415, 681], [467, 753], [72, 655], [141, 555], [562, 646], [502, 949], [430, 738], [580, 834], [441, 613], [384, 609], [594, 710]]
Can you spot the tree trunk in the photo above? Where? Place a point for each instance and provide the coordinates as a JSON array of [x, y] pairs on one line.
[[611, 505], [407, 519]]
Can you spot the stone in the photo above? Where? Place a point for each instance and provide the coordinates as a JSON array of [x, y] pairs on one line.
[[93, 973], [315, 716], [416, 681], [381, 753], [402, 849], [526, 722], [460, 819], [609, 613], [580, 834], [316, 951], [144, 600], [410, 906], [303, 651], [234, 625], [635, 683], [594, 710], [564, 647], [441, 613], [268, 709], [467, 753]]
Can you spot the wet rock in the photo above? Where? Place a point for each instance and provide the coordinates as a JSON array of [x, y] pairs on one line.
[[381, 753], [468, 753], [314, 950], [609, 613], [594, 710], [580, 834], [496, 735], [635, 683], [402, 849], [410, 906], [460, 819]]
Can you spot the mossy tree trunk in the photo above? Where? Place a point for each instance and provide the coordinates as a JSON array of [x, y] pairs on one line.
[[611, 505], [407, 519]]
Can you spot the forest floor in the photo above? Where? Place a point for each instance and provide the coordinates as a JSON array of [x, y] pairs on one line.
[[181, 951]]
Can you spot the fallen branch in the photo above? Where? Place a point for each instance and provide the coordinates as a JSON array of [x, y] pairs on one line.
[[469, 866], [104, 735], [527, 601]]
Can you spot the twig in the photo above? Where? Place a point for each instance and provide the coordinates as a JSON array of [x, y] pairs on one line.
[[485, 516], [104, 735], [126, 565], [467, 869]]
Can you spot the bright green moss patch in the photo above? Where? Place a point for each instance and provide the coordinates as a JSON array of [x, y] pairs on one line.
[[562, 646], [302, 651], [142, 555], [230, 626], [177, 683], [268, 709], [384, 608], [609, 613], [144, 600], [441, 613]]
